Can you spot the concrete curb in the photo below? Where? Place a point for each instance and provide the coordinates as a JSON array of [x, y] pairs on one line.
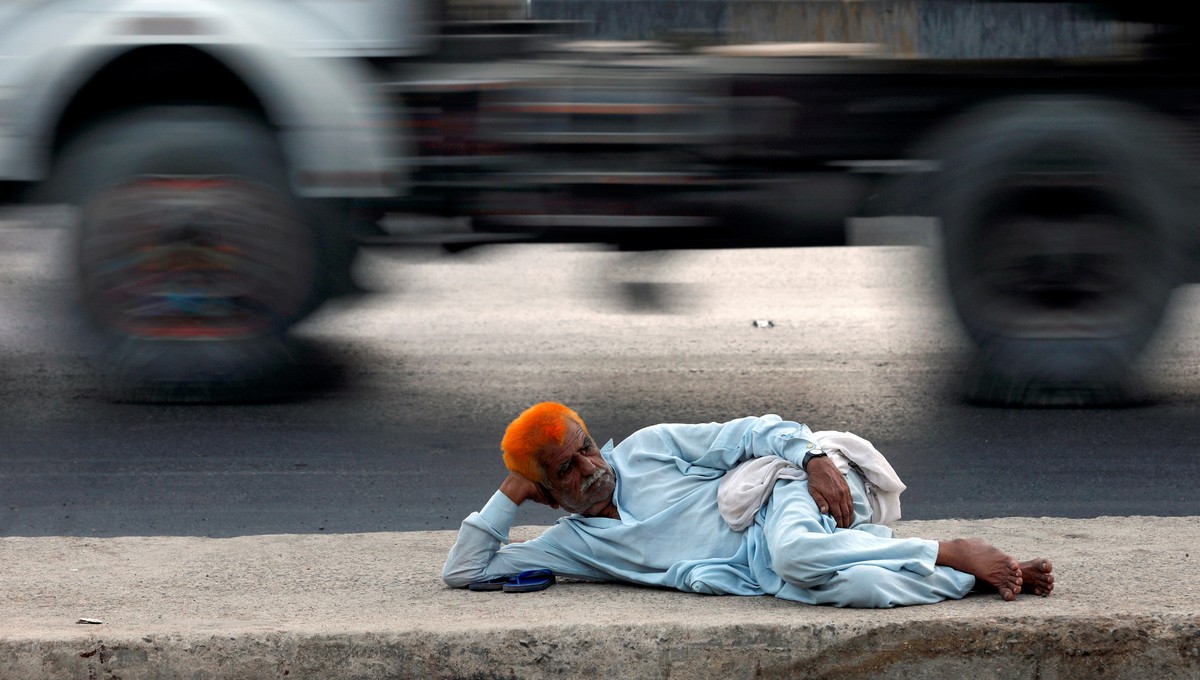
[[371, 606], [1050, 648]]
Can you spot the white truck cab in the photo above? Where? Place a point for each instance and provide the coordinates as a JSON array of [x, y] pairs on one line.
[[64, 61]]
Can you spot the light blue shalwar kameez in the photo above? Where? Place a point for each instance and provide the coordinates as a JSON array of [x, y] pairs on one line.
[[671, 534]]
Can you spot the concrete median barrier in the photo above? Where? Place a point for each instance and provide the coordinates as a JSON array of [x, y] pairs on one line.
[[1126, 605]]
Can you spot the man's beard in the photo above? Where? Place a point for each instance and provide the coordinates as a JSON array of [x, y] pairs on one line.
[[596, 476], [601, 490]]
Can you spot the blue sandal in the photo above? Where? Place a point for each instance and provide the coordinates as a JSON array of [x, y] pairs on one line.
[[529, 581], [524, 582]]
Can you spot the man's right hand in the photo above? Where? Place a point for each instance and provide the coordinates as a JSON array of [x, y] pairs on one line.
[[830, 491], [518, 489]]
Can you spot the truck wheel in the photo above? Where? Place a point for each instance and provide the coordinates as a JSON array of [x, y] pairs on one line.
[[193, 257], [1064, 224]]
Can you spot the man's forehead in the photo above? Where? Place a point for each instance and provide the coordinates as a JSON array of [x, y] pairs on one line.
[[571, 442]]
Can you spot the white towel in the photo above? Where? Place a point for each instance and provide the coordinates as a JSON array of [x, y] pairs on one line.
[[747, 487]]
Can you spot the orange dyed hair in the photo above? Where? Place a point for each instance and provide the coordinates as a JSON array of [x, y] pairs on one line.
[[537, 428]]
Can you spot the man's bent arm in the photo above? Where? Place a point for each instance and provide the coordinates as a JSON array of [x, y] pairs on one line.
[[479, 539], [723, 445], [480, 553]]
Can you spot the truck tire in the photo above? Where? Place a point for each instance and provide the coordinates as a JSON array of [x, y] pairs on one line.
[[1064, 225], [193, 257]]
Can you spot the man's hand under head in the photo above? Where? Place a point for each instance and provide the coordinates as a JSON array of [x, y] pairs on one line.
[[830, 490], [518, 489]]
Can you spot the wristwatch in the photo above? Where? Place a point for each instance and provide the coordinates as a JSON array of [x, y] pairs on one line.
[[817, 453]]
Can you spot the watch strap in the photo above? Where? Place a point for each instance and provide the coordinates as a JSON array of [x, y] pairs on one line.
[[816, 453]]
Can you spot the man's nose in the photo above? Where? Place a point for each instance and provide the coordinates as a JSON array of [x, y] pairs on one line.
[[587, 465]]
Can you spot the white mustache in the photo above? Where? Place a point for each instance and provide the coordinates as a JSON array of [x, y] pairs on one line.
[[596, 477]]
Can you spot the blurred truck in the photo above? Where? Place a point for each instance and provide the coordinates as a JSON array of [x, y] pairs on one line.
[[229, 157]]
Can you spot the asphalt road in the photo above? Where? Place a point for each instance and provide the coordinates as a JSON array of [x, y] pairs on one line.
[[409, 391]]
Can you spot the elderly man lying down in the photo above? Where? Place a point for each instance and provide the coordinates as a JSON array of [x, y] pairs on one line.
[[754, 506]]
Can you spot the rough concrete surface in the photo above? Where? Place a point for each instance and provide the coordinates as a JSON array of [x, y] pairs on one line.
[[373, 606]]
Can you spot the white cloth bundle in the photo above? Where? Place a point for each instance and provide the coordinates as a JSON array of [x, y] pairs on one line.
[[748, 486]]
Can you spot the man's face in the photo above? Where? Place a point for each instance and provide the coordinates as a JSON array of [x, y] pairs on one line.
[[579, 479]]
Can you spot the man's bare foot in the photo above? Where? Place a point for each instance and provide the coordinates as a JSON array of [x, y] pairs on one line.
[[988, 564], [1036, 577]]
